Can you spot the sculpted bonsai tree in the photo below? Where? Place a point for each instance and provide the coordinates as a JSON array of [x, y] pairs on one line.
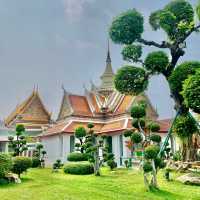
[[91, 144], [177, 21], [144, 135], [18, 144]]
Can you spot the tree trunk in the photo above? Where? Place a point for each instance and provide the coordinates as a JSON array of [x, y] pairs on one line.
[[96, 163], [146, 182], [154, 178]]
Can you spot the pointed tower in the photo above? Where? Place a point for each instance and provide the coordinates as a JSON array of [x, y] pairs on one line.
[[107, 85]]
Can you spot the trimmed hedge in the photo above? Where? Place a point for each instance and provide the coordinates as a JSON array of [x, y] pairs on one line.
[[76, 157], [36, 162], [81, 168], [5, 164]]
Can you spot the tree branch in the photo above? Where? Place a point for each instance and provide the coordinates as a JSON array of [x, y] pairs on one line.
[[155, 44]]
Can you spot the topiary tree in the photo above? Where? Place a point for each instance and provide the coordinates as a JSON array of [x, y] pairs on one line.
[[80, 134], [19, 144], [39, 154], [144, 134], [191, 92], [177, 20]]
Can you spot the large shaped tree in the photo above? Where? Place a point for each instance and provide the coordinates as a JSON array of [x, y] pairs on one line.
[[177, 20]]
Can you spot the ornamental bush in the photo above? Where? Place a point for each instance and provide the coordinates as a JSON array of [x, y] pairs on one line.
[[5, 164], [81, 168], [36, 162], [136, 138], [136, 121], [131, 80], [151, 152], [154, 127], [191, 92], [76, 157], [128, 133], [147, 167], [112, 164], [155, 138], [21, 164], [156, 62], [138, 112], [127, 27]]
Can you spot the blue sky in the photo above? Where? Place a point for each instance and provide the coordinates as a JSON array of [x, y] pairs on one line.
[[50, 43]]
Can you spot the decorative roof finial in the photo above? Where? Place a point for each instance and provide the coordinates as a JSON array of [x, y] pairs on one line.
[[108, 59]]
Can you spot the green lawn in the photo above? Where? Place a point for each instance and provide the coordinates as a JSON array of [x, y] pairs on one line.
[[41, 184]]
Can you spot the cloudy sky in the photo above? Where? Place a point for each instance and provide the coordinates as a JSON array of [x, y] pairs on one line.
[[54, 42]]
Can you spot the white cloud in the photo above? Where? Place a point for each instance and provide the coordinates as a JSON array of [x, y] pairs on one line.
[[75, 8]]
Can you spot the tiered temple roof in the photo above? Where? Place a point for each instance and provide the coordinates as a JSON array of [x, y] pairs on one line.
[[31, 113]]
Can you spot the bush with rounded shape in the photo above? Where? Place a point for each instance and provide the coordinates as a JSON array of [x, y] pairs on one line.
[[155, 138], [90, 125], [182, 10], [131, 80], [138, 112], [136, 138], [112, 164], [76, 157], [128, 133], [81, 168], [156, 62], [127, 27], [136, 121], [80, 132], [180, 74], [21, 164], [184, 126], [159, 163], [36, 162], [132, 53], [5, 164], [191, 92], [154, 127], [151, 152], [20, 128], [147, 167]]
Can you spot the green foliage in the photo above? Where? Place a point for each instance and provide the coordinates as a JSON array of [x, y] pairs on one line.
[[127, 27], [81, 168], [131, 80], [128, 133], [136, 122], [21, 164], [80, 132], [147, 167], [138, 112], [136, 138], [76, 157], [5, 164], [36, 162], [90, 125], [198, 9], [180, 74], [58, 164], [154, 127], [39, 153], [132, 53], [112, 164], [19, 144], [155, 138], [184, 126], [154, 20], [159, 163], [151, 152], [156, 62], [191, 92], [177, 156]]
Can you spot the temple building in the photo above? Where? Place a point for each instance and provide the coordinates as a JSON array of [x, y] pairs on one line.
[[31, 113], [106, 108]]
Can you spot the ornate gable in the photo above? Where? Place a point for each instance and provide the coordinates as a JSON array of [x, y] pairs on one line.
[[31, 112]]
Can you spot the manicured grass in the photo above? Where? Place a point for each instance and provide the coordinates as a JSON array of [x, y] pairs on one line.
[[42, 184]]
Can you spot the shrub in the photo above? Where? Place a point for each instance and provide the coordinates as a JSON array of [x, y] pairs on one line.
[[136, 138], [21, 164], [81, 168], [151, 152], [36, 162], [58, 164], [5, 164], [147, 167], [75, 157], [138, 111], [112, 164], [155, 138]]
